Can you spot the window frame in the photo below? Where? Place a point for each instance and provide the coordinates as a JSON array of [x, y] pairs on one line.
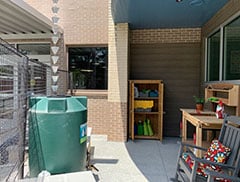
[[221, 52], [48, 61], [207, 74]]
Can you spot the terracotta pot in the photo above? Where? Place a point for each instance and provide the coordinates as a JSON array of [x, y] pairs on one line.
[[199, 107]]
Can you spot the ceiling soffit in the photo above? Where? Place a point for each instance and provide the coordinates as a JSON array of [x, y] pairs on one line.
[[145, 14], [19, 19]]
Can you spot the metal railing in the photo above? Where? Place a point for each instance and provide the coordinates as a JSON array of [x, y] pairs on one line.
[[13, 104], [20, 78]]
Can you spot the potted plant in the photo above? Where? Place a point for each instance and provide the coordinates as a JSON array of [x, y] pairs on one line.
[[199, 103]]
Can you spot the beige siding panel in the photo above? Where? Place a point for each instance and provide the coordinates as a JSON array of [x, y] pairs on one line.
[[178, 65]]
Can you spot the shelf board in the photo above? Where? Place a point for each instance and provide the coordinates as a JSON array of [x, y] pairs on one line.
[[146, 98], [219, 90], [148, 82], [146, 137], [146, 113]]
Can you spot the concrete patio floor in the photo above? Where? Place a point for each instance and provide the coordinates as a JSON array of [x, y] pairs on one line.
[[131, 161], [139, 160]]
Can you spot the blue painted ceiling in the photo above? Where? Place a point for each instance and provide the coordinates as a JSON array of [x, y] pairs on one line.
[[145, 14]]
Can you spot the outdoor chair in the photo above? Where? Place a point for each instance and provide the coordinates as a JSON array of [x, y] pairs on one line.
[[220, 162]]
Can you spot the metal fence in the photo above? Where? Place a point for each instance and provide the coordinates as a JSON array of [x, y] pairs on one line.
[[13, 104], [20, 78]]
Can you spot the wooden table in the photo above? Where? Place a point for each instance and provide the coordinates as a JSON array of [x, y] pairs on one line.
[[202, 120]]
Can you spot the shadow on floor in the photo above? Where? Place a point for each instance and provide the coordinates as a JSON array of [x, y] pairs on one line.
[[156, 160], [135, 161]]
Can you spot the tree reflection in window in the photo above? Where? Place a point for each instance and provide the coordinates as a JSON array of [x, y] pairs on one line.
[[88, 66]]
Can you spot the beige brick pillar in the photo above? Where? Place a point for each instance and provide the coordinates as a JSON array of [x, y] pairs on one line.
[[118, 46], [118, 62]]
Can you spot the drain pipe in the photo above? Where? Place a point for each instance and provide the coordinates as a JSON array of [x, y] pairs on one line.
[[55, 48]]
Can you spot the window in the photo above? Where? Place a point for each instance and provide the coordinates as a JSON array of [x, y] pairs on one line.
[[231, 61], [213, 56], [223, 62], [88, 66], [39, 74], [34, 49]]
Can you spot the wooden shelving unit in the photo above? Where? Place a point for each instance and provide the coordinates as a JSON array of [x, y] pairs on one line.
[[155, 115], [229, 94]]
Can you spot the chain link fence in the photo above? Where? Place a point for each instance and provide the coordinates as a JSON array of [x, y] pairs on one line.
[[20, 78]]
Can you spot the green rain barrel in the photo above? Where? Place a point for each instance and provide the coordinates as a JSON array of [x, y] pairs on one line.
[[57, 134]]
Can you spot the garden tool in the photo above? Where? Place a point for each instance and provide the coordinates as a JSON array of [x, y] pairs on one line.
[[150, 131], [145, 128], [140, 128]]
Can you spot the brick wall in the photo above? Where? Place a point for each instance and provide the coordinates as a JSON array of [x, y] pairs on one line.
[[178, 35], [108, 114], [84, 21], [107, 118], [118, 68]]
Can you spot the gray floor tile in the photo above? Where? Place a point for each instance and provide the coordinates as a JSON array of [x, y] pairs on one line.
[[139, 160]]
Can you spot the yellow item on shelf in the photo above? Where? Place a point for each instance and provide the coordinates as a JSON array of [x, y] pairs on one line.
[[143, 104]]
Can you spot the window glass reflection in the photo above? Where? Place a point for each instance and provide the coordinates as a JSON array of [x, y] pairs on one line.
[[88, 66]]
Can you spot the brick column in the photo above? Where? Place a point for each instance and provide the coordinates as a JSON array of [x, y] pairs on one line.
[[118, 63], [118, 46]]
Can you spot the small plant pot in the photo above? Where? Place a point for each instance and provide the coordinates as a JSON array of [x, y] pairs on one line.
[[199, 107]]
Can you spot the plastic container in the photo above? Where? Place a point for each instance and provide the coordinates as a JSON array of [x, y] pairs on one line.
[[57, 134]]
